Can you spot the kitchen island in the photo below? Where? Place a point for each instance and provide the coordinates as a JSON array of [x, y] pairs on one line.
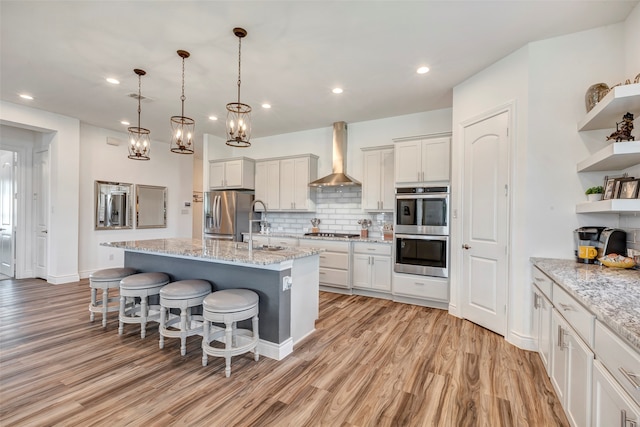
[[285, 279]]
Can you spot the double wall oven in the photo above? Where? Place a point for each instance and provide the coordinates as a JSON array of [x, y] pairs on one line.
[[422, 231]]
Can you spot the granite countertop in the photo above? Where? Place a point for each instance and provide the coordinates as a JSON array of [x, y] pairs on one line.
[[378, 239], [214, 250], [612, 294]]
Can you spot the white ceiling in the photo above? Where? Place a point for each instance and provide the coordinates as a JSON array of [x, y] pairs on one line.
[[295, 53]]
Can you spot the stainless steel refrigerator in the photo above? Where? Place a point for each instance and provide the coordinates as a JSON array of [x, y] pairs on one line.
[[226, 214]]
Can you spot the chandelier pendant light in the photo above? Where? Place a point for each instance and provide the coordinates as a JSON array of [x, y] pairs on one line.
[[182, 128], [239, 114], [139, 141]]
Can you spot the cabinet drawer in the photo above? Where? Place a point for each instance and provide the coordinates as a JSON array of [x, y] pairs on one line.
[[283, 241], [620, 360], [329, 245], [331, 277], [419, 287], [334, 260], [577, 316], [542, 282], [372, 248]]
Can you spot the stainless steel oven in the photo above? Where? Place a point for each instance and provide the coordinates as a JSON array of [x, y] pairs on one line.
[[422, 210], [426, 255]]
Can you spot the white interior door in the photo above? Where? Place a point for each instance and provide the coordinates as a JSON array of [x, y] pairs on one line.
[[485, 222], [41, 201], [7, 212]]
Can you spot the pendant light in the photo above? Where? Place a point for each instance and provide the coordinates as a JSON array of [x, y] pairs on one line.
[[182, 128], [239, 114], [139, 141]]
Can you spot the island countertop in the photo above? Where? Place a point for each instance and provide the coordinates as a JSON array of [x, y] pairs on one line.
[[612, 294], [214, 250]]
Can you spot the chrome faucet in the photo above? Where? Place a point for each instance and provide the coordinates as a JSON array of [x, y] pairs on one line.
[[251, 221]]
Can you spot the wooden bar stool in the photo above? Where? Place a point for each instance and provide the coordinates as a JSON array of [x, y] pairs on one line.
[[230, 306], [182, 294], [106, 279], [141, 285]]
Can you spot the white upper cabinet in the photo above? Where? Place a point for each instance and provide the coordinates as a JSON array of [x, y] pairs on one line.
[[232, 174], [616, 155], [268, 184], [377, 185], [423, 160], [295, 175]]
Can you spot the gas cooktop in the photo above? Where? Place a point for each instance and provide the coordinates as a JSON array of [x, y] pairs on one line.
[[345, 235]]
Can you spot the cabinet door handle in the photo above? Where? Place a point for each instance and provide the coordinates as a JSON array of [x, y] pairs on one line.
[[565, 307], [631, 377], [418, 283], [561, 334], [536, 304]]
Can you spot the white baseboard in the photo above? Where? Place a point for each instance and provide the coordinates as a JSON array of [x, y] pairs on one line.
[[275, 351], [59, 280], [522, 341], [421, 302]]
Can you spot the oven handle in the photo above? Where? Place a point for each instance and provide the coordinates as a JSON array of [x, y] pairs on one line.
[[422, 237], [422, 196]]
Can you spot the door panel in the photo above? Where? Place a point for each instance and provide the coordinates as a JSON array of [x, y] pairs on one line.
[[7, 191], [485, 222], [41, 200]]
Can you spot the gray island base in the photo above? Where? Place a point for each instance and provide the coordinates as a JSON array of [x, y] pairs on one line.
[[286, 280]]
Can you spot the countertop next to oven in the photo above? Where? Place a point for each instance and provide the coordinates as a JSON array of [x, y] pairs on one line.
[[342, 239], [612, 294]]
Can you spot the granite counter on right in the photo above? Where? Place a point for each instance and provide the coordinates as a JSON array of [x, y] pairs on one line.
[[611, 294]]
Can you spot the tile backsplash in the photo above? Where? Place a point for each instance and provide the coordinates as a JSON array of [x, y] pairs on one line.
[[631, 224], [338, 208]]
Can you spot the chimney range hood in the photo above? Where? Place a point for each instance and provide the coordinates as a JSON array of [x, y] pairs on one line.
[[338, 178]]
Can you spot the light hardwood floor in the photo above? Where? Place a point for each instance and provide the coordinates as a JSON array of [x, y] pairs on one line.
[[371, 362]]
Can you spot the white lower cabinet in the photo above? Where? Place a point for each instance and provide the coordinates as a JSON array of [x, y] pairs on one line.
[[542, 309], [372, 266], [334, 262], [571, 364], [611, 405], [421, 287]]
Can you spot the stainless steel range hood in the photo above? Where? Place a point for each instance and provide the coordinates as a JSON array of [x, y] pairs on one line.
[[338, 178]]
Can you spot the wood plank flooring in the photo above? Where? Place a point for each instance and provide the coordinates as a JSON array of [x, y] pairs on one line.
[[371, 362]]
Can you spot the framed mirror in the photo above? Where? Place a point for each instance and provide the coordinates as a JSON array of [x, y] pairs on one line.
[[151, 206], [113, 205]]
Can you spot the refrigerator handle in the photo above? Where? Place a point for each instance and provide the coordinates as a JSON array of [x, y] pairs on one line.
[[218, 213]]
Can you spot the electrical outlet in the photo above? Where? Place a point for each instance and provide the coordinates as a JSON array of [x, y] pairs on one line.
[[286, 283], [110, 257]]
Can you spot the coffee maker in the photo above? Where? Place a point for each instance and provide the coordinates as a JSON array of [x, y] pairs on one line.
[[587, 236]]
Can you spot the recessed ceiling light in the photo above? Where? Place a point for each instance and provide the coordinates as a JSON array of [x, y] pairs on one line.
[[25, 96], [266, 105], [337, 90], [422, 70], [126, 123], [213, 118], [113, 81]]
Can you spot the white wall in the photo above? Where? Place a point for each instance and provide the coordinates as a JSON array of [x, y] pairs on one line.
[[632, 43], [110, 163], [547, 80], [64, 135], [504, 83]]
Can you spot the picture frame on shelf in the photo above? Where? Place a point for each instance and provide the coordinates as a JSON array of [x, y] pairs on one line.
[[618, 186], [609, 186], [629, 189]]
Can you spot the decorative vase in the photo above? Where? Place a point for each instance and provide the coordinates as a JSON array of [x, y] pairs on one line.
[[594, 197], [594, 94]]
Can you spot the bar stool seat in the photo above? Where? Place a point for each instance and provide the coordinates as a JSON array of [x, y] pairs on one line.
[[183, 294], [108, 278], [230, 306], [141, 285]]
